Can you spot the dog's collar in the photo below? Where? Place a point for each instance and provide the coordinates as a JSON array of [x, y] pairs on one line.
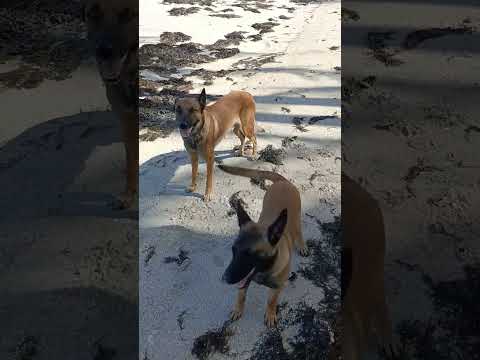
[[194, 138]]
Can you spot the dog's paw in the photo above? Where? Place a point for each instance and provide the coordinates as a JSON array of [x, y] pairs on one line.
[[271, 318], [207, 197], [191, 189], [236, 314]]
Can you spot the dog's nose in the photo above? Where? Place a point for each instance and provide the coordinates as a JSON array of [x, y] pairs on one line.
[[105, 51], [183, 126]]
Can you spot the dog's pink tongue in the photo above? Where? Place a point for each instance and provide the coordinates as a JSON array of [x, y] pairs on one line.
[[242, 282]]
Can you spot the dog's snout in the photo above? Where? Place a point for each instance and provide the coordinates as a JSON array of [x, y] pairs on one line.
[[105, 51], [183, 126], [225, 278]]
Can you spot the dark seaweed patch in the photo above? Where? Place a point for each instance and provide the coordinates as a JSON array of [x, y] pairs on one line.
[[171, 38], [298, 123], [179, 260], [226, 16], [415, 38], [47, 37], [311, 342], [181, 11], [315, 119], [27, 349], [377, 43], [150, 253], [189, 2], [325, 255], [272, 155], [270, 347], [348, 14], [452, 331], [265, 27], [212, 341]]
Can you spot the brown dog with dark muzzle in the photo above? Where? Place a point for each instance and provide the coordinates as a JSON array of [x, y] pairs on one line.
[[203, 126], [263, 250], [113, 32]]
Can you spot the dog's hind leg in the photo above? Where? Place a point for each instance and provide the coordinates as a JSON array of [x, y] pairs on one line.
[[253, 138], [249, 129], [247, 120], [237, 129], [299, 241]]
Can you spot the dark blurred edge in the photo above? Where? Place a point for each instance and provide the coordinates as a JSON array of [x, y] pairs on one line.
[[410, 138], [68, 258]]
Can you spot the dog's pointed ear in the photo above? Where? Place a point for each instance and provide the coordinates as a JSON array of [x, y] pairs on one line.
[[202, 99], [242, 215], [275, 231]]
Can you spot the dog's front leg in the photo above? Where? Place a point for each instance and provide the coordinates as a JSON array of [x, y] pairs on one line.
[[237, 311], [210, 163], [194, 159], [271, 312], [129, 123]]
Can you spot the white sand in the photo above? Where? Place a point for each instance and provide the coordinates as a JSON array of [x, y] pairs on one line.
[[302, 80]]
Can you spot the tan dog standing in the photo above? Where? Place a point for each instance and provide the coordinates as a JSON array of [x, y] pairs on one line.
[[203, 126], [263, 250], [364, 320], [113, 31]]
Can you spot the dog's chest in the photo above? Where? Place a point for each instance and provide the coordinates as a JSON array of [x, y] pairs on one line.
[[195, 140], [267, 280]]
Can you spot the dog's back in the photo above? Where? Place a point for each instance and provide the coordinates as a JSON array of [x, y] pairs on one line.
[[282, 194], [237, 107], [365, 316]]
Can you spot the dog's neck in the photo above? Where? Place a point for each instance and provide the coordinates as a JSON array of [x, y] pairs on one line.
[[197, 136]]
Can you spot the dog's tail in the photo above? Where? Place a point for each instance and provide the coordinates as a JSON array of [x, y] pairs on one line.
[[252, 173]]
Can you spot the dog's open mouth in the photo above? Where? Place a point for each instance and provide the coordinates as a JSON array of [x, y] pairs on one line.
[[185, 132], [242, 283]]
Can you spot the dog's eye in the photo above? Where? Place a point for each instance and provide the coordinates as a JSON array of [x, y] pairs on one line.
[[125, 16]]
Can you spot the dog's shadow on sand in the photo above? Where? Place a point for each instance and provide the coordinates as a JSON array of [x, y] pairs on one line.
[[171, 173], [38, 167]]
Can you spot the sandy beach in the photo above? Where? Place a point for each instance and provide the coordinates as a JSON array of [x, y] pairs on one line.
[[287, 55]]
